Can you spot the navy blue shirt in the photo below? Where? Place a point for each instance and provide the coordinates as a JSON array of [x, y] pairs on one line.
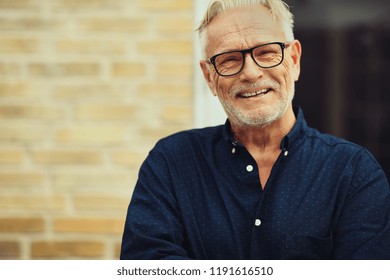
[[199, 196]]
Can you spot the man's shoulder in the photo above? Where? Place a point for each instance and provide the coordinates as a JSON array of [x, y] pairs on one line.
[[340, 148], [191, 137], [196, 133], [332, 141], [343, 153]]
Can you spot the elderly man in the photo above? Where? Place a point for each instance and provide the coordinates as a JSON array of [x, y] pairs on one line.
[[264, 185]]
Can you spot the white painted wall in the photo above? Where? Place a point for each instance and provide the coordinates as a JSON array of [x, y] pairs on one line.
[[207, 109]]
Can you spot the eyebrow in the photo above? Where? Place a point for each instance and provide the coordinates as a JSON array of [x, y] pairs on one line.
[[259, 43], [239, 50]]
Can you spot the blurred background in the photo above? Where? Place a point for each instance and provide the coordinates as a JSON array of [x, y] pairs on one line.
[[345, 80], [88, 86]]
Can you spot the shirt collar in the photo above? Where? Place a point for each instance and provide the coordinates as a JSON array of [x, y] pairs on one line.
[[298, 130]]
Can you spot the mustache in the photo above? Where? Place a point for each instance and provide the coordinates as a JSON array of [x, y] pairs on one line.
[[248, 87]]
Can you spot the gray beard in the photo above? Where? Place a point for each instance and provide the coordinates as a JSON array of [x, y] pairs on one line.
[[242, 118]]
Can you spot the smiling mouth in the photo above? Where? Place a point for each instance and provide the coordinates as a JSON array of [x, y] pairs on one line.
[[254, 94]]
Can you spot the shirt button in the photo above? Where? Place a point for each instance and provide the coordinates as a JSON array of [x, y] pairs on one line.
[[257, 222], [249, 168], [233, 150]]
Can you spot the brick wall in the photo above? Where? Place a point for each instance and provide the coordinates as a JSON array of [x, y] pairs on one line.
[[86, 89]]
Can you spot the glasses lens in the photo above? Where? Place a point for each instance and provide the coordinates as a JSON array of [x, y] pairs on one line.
[[268, 55], [228, 63]]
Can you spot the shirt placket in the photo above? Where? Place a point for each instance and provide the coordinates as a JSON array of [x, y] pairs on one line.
[[259, 248], [250, 178]]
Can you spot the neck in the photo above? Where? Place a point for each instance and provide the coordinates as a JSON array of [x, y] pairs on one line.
[[265, 137]]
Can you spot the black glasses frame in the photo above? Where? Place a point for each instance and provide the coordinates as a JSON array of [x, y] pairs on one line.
[[243, 52]]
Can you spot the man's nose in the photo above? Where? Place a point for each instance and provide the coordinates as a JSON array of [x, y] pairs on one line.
[[250, 72]]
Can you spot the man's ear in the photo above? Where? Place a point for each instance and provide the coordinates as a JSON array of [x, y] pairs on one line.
[[208, 75], [296, 52]]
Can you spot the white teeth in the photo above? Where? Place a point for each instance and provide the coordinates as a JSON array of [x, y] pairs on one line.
[[251, 94]]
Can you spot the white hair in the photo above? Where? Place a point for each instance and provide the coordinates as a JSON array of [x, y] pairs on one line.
[[277, 8]]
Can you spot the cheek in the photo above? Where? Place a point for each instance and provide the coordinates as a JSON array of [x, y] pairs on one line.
[[213, 84], [287, 74], [221, 86]]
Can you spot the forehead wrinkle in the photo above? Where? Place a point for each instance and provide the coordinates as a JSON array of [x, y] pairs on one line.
[[238, 40], [242, 33]]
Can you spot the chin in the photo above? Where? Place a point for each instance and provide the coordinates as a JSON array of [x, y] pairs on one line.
[[260, 116], [256, 119], [253, 121], [262, 121]]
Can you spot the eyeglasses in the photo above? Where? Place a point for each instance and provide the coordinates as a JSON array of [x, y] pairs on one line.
[[265, 56]]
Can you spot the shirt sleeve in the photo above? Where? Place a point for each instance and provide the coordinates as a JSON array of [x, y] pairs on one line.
[[363, 231], [153, 229]]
